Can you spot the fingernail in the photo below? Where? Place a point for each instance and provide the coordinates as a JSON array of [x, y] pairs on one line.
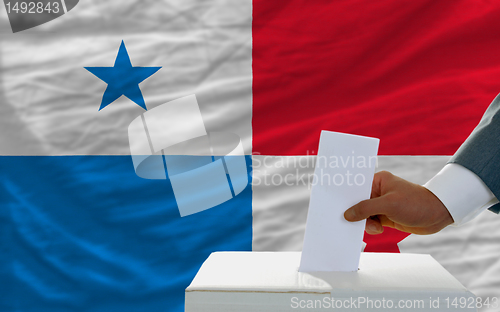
[[373, 228], [350, 215]]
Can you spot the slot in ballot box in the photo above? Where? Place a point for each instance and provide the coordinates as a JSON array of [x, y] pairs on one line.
[[270, 281]]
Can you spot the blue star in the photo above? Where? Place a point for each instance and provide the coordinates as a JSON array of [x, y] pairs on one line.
[[123, 79]]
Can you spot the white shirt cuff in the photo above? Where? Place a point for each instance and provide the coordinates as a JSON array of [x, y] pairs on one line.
[[462, 192]]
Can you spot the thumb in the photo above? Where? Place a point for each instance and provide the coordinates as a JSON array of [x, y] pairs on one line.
[[366, 209]]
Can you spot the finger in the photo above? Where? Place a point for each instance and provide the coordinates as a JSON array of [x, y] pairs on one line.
[[366, 208], [379, 180], [373, 226], [384, 221], [375, 192]]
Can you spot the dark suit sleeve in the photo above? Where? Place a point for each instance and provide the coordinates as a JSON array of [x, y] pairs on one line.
[[480, 153]]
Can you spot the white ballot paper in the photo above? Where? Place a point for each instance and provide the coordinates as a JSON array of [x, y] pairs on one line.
[[343, 176]]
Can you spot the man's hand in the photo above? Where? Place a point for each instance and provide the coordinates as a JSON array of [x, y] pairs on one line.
[[402, 205]]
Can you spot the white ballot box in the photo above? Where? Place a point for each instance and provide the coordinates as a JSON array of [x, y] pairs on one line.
[[270, 281]]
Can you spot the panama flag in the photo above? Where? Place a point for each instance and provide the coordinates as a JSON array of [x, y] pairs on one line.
[[101, 211]]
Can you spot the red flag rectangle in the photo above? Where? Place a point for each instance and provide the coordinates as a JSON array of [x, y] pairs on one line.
[[418, 75]]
